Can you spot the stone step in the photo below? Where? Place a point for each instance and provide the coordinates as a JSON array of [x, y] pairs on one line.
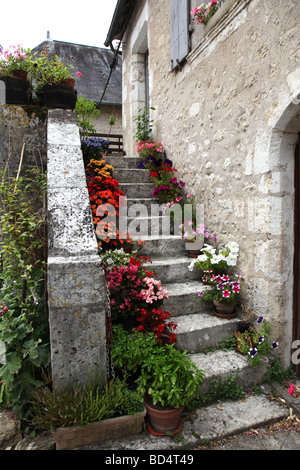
[[129, 175], [148, 202], [164, 246], [184, 297], [173, 269], [123, 162], [213, 423], [137, 190], [201, 331], [145, 226], [221, 364]]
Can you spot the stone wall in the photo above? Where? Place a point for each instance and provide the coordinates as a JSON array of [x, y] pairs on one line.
[[229, 120], [76, 286], [22, 125], [101, 123]]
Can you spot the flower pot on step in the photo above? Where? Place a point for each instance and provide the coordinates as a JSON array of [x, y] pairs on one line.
[[226, 311], [163, 420]]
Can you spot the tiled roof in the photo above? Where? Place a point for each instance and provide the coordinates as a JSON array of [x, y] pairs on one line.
[[95, 64]]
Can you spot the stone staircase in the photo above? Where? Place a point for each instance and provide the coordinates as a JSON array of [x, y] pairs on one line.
[[198, 330]]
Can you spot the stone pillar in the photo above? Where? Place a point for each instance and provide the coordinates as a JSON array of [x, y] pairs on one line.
[[76, 284]]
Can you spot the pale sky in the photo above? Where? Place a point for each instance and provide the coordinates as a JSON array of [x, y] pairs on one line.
[[27, 22]]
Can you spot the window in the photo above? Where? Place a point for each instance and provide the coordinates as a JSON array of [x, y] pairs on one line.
[[179, 19]]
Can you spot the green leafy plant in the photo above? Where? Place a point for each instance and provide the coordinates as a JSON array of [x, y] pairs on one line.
[[143, 124], [277, 373], [166, 374], [81, 404], [23, 318], [256, 343], [225, 389], [86, 110]]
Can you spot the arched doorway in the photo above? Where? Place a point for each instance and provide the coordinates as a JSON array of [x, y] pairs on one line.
[[283, 166]]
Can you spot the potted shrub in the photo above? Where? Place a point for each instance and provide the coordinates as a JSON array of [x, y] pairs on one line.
[[55, 85], [167, 378], [143, 125], [14, 73], [223, 293]]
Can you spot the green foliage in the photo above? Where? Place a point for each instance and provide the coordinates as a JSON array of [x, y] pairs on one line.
[[166, 374], [78, 405], [276, 373], [256, 344], [143, 124], [86, 110], [23, 317], [226, 389]]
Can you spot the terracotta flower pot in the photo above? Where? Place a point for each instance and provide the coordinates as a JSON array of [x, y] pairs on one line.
[[20, 74], [163, 421], [226, 311], [193, 253], [70, 82]]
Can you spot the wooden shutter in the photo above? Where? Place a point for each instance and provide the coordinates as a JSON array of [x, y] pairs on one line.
[[179, 30]]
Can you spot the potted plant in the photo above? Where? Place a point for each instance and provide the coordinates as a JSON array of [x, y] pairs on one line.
[[217, 262], [223, 293], [143, 125], [204, 12], [14, 73], [254, 340], [55, 85], [193, 233], [167, 378], [82, 414]]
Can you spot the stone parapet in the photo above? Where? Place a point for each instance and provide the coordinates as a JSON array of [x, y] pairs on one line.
[[76, 284]]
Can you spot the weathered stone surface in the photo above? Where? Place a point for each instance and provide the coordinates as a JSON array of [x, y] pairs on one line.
[[76, 284], [10, 429], [229, 120], [43, 441]]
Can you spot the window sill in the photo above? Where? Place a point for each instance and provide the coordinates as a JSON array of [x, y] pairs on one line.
[[224, 17], [218, 15]]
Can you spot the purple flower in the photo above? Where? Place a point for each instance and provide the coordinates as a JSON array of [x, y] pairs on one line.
[[260, 319], [261, 339], [274, 345], [252, 352]]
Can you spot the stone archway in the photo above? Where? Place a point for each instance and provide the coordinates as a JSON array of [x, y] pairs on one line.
[[281, 155]]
